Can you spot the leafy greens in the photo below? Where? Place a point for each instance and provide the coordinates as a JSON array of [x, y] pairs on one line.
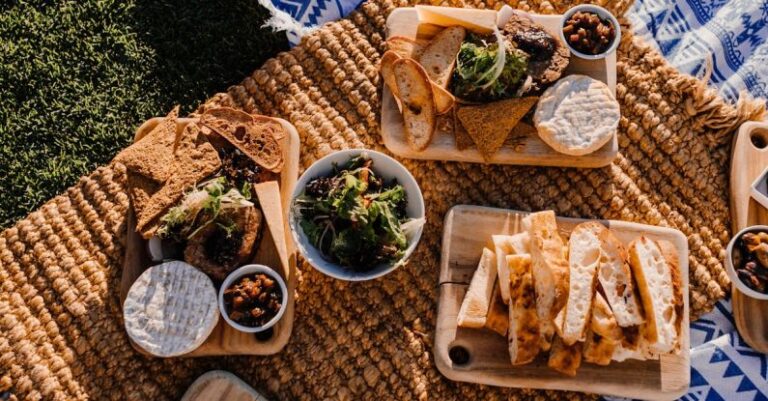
[[353, 217]]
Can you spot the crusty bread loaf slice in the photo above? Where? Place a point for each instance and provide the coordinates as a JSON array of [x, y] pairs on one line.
[[523, 320], [507, 245], [583, 260], [498, 313], [477, 300], [439, 57], [603, 335], [549, 268], [564, 358], [418, 101], [656, 283], [615, 277]]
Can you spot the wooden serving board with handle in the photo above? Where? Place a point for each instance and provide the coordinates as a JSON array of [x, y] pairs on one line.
[[276, 250], [466, 231], [220, 385], [405, 22], [748, 160]]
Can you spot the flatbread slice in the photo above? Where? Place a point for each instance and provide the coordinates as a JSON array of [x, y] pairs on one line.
[[489, 124], [439, 57], [563, 358], [418, 103], [498, 313]]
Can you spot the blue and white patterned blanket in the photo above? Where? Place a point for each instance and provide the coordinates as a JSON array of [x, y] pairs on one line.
[[725, 40]]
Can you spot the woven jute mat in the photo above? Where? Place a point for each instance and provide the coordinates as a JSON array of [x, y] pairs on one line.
[[61, 332]]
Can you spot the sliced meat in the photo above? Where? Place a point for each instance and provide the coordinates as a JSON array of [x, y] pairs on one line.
[[216, 252], [548, 56]]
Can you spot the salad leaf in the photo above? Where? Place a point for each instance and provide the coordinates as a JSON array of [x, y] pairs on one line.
[[475, 77]]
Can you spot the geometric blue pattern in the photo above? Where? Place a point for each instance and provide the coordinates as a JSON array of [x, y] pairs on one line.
[[723, 40], [312, 13]]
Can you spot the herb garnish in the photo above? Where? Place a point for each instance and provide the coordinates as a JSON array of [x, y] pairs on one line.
[[353, 217]]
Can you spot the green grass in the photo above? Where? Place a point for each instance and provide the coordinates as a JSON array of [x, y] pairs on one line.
[[77, 78]]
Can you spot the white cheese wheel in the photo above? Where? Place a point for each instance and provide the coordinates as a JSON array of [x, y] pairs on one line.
[[171, 309], [577, 115]]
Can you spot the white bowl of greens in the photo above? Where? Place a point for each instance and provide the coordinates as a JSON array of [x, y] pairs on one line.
[[356, 214]]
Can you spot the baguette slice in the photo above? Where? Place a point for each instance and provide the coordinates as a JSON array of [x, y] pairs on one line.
[[498, 314], [583, 260], [657, 285], [507, 245], [563, 358], [444, 100], [419, 111], [523, 320], [549, 268], [615, 277], [439, 57], [477, 300], [406, 47]]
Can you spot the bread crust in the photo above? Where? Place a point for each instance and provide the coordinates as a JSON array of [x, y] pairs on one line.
[[419, 111]]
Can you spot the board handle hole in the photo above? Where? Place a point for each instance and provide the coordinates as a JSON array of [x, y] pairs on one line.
[[759, 139], [264, 335], [459, 355]]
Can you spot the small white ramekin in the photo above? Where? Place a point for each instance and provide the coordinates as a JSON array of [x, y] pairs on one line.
[[731, 270], [237, 274], [603, 14]]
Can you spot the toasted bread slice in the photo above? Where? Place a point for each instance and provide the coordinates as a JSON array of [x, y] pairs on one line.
[[615, 277], [406, 47], [498, 314], [583, 260], [550, 269], [439, 57], [523, 320], [477, 300], [489, 124], [444, 100], [507, 245], [656, 282], [418, 101], [564, 358]]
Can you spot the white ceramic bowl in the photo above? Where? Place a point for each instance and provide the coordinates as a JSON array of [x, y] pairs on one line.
[[602, 13], [732, 271], [251, 269], [384, 166]]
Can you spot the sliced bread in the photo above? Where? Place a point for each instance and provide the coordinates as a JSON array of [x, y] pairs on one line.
[[656, 283], [615, 277], [603, 335], [507, 245], [583, 260], [416, 96], [477, 300], [439, 57], [564, 358], [498, 314], [549, 269], [523, 320]]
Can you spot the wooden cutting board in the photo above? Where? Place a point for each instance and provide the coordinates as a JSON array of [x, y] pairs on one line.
[[219, 385], [276, 250], [466, 231], [748, 159], [405, 22]]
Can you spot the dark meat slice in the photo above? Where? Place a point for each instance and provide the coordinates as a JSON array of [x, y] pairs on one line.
[[548, 56], [215, 252]]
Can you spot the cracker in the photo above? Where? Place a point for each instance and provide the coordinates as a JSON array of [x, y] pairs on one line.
[[152, 156], [463, 140], [195, 160], [140, 189], [489, 124], [257, 138]]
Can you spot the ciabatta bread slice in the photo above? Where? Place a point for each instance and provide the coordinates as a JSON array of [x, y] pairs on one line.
[[474, 308], [603, 335], [656, 283], [615, 277], [507, 245], [523, 320], [549, 268], [563, 358], [498, 313], [583, 260]]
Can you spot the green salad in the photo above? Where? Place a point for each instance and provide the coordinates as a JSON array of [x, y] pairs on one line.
[[354, 217], [484, 74]]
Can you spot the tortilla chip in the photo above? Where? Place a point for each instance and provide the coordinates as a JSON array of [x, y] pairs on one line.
[[152, 155], [489, 124], [195, 160]]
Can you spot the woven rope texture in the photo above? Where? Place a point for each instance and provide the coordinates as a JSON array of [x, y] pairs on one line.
[[61, 331]]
